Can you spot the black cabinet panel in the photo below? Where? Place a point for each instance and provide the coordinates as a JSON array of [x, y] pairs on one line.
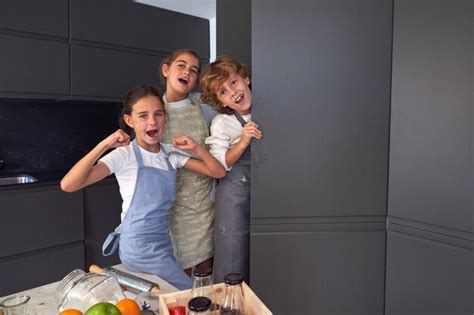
[[129, 24], [325, 115], [103, 206], [39, 218], [29, 271], [426, 277], [48, 17], [33, 66], [431, 151], [100, 73], [322, 273]]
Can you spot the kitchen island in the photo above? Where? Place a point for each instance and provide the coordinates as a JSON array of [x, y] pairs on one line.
[[43, 299]]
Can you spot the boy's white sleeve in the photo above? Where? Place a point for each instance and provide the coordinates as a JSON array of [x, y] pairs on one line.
[[219, 141]]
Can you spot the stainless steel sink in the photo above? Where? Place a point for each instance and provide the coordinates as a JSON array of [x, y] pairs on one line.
[[17, 179]]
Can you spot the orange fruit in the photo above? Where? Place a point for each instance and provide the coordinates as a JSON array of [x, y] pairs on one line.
[[71, 311], [128, 307]]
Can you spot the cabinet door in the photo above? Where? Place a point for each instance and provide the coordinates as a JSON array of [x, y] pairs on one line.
[[33, 68], [24, 272], [135, 25], [103, 206], [107, 74], [38, 218], [47, 17]]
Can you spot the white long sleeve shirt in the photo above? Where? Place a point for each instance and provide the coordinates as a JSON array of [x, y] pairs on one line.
[[226, 131]]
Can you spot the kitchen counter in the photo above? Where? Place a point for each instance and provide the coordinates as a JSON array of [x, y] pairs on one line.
[[43, 300], [45, 178]]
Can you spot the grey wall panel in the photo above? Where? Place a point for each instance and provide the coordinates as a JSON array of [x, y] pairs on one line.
[[107, 73], [233, 31], [48, 17], [321, 82], [431, 152], [426, 277], [34, 66], [316, 272], [137, 25], [40, 218], [39, 268]]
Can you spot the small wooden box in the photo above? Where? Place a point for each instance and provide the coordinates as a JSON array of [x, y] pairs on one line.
[[252, 303]]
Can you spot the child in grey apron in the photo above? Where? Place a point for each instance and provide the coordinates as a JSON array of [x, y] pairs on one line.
[[232, 220]]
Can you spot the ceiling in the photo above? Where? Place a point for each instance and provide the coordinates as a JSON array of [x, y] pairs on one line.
[[200, 8]]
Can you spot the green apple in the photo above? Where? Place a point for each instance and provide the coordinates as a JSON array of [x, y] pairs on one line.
[[103, 308]]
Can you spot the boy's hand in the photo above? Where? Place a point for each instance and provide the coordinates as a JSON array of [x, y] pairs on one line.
[[185, 142], [118, 139], [250, 131]]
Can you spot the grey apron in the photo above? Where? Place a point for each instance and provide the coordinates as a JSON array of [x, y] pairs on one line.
[[192, 215], [145, 244], [232, 219]]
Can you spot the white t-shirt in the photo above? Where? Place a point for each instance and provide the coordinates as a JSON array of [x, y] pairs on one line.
[[123, 164], [226, 131]]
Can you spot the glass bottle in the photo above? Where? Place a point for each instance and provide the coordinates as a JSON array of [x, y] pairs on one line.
[[202, 285], [233, 302], [80, 290], [200, 305]]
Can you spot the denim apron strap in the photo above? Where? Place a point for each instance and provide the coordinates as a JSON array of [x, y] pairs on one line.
[[111, 241]]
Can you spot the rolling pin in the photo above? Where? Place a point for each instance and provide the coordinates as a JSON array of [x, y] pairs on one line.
[[128, 281]]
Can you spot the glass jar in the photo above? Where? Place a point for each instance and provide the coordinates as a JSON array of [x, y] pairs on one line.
[[202, 285], [200, 305], [81, 290], [233, 302]]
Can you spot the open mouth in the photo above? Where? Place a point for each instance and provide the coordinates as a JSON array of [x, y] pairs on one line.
[[183, 81], [152, 133], [239, 99]]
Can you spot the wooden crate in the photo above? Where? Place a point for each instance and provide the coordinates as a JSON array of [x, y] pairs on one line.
[[253, 304]]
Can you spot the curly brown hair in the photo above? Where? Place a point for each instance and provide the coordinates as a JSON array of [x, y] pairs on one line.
[[214, 75]]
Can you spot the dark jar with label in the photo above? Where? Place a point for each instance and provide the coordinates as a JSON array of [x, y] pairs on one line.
[[233, 302]]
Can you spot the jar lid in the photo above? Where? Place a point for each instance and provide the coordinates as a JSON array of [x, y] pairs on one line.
[[202, 271], [233, 278], [199, 304]]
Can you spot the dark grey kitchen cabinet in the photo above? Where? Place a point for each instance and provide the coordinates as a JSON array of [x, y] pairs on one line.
[[99, 73], [107, 59], [26, 271], [35, 49], [38, 218], [102, 209], [127, 24], [45, 17], [41, 236], [33, 67], [319, 184]]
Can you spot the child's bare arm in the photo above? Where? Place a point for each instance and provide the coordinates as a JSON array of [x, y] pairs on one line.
[[208, 166], [84, 172], [249, 132]]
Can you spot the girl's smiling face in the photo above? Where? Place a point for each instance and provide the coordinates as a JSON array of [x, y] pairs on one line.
[[147, 120], [181, 76], [235, 93]]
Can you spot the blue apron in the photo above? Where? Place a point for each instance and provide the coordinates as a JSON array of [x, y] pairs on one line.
[[232, 219], [145, 244]]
